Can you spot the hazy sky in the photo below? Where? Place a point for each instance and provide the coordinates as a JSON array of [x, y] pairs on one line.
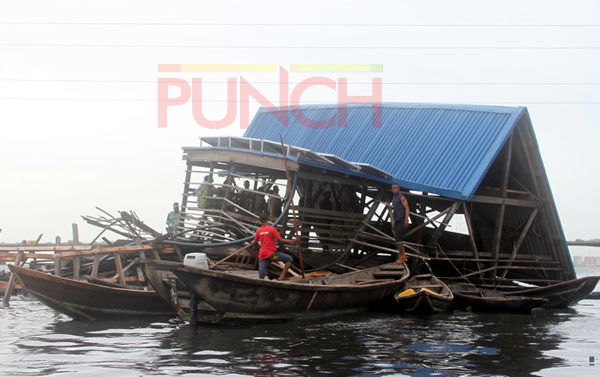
[[78, 89]]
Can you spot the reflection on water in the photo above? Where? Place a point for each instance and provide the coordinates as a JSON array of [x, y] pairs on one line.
[[37, 341]]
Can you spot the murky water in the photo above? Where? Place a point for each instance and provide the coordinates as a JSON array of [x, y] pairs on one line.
[[34, 341]]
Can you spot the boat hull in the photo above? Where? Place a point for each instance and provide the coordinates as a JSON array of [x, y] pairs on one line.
[[478, 299], [430, 296], [564, 294], [424, 303], [243, 297], [82, 300]]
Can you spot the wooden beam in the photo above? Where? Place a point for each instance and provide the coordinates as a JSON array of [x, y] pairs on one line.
[[119, 266], [522, 236], [239, 157], [508, 201], [471, 234], [440, 230], [427, 222], [501, 211], [44, 248], [365, 222]]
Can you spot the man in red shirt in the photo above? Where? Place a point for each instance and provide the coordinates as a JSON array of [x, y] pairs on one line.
[[267, 235]]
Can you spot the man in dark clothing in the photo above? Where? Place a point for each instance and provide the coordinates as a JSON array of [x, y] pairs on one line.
[[245, 197], [274, 204], [400, 214]]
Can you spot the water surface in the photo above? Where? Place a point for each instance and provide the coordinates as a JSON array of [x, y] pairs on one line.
[[35, 340]]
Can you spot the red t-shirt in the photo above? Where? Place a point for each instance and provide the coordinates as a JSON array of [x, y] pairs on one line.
[[267, 235]]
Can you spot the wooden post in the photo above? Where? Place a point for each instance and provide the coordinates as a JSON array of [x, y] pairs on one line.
[[76, 267], [119, 266], [471, 235], [95, 266], [139, 271], [57, 266], [193, 309], [289, 185], [500, 217], [179, 253], [75, 234], [186, 189], [11, 280]]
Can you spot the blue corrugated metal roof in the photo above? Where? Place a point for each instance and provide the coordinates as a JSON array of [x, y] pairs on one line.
[[441, 149]]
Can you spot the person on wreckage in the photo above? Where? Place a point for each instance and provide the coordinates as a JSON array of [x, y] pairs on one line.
[[267, 235], [400, 214]]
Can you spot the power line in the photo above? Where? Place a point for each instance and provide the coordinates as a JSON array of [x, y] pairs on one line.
[[304, 103], [424, 83], [307, 47], [331, 25]]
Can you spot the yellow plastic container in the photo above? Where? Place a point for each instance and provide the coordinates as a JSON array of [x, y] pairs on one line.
[[407, 292]]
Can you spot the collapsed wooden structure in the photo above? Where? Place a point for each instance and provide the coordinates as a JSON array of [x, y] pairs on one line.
[[481, 206], [482, 213]]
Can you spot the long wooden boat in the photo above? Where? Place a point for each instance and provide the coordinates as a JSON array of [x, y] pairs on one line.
[[563, 294], [425, 294], [83, 300], [480, 299], [240, 294]]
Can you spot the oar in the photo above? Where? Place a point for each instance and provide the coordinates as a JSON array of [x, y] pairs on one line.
[[289, 187], [230, 255]]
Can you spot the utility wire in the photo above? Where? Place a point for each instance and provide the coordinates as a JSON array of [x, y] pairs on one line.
[[331, 25], [516, 103], [424, 83], [307, 47]]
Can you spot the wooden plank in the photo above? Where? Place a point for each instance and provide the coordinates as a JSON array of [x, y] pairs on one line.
[[44, 248]]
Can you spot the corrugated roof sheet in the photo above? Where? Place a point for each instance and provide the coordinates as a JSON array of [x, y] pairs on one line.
[[441, 149]]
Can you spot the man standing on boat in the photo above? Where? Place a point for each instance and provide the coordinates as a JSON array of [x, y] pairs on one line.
[[399, 220], [267, 235]]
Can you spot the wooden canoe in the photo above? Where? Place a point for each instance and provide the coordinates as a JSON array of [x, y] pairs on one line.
[[563, 294], [240, 294], [83, 300], [425, 294], [479, 299]]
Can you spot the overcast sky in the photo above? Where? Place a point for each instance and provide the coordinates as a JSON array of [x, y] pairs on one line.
[[78, 89]]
